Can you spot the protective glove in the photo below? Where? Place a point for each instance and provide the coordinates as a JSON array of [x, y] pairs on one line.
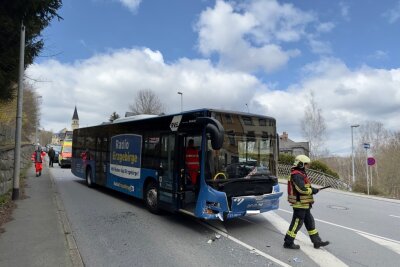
[[314, 190]]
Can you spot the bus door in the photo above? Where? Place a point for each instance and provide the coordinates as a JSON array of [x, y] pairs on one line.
[[167, 197], [100, 159]]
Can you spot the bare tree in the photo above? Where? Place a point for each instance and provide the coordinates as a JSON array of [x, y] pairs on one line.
[[314, 128], [30, 116], [147, 102], [113, 116]]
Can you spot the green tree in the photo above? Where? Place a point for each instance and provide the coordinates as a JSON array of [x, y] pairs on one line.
[[286, 159], [36, 16]]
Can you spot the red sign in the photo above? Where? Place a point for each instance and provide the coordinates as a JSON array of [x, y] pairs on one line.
[[371, 161]]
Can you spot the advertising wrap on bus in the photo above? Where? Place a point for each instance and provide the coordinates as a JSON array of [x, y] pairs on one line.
[[125, 158]]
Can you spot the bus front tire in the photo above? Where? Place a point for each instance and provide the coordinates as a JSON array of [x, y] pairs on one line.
[[89, 181], [151, 198]]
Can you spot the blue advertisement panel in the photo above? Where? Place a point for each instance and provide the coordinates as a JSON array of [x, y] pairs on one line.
[[125, 156]]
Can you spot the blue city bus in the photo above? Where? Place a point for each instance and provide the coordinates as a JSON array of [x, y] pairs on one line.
[[144, 156]]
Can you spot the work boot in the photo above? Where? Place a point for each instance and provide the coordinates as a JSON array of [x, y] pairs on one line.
[[40, 173], [317, 241], [321, 244], [291, 245]]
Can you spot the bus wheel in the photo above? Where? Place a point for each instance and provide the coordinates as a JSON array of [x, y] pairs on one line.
[[151, 198], [89, 181]]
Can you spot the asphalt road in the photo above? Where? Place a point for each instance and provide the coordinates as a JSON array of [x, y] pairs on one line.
[[112, 229]]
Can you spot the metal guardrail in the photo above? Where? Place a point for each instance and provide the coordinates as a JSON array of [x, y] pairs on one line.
[[316, 177]]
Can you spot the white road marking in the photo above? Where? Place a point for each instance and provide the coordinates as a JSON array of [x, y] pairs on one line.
[[395, 216], [388, 244], [320, 256], [352, 229], [259, 252]]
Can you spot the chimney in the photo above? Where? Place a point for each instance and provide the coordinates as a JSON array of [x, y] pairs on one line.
[[284, 136]]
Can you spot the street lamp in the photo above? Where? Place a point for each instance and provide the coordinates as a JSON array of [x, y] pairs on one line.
[[247, 106], [181, 93], [352, 151], [367, 146], [37, 121]]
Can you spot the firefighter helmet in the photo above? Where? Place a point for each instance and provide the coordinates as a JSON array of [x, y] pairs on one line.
[[300, 160]]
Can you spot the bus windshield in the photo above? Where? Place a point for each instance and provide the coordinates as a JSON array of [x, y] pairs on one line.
[[241, 157]]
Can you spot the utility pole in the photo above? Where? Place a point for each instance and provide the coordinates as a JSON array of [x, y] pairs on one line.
[[17, 149], [352, 152]]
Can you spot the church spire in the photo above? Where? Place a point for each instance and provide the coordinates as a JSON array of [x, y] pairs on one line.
[[75, 120], [75, 116]]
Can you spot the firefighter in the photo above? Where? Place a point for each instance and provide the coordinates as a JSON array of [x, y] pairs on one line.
[[300, 197], [192, 162], [38, 158]]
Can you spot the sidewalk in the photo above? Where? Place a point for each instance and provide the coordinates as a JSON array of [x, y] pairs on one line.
[[39, 234]]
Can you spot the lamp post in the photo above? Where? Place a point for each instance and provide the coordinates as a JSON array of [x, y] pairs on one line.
[[181, 93], [367, 146], [18, 126], [247, 106], [36, 126], [352, 152]]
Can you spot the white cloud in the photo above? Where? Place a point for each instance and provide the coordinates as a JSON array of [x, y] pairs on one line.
[[319, 47], [132, 5], [249, 36], [325, 27], [109, 82], [393, 14], [344, 10], [379, 55], [345, 96]]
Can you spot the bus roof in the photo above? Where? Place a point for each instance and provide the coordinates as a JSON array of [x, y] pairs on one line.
[[135, 118], [148, 116]]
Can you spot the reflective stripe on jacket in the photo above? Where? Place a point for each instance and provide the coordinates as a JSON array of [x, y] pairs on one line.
[[192, 159], [299, 190]]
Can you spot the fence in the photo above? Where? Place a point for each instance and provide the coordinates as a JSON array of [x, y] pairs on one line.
[[316, 177]]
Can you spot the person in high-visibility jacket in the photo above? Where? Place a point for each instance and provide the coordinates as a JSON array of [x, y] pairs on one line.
[[38, 158], [300, 197], [192, 161]]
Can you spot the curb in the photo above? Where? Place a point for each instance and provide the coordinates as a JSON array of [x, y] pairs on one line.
[[63, 219]]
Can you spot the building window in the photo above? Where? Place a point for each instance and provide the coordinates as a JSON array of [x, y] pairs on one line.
[[228, 118], [247, 120], [231, 137], [262, 122]]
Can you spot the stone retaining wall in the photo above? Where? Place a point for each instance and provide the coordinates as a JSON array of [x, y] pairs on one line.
[[7, 164]]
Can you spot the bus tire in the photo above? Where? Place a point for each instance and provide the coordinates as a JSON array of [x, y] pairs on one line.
[[151, 198], [89, 180]]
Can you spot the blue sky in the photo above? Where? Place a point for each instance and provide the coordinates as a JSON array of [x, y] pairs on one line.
[[268, 54]]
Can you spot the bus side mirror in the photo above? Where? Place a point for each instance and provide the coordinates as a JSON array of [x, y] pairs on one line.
[[217, 139], [215, 129]]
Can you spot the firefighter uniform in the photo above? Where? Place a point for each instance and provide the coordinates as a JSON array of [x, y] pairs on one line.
[[300, 197], [192, 162]]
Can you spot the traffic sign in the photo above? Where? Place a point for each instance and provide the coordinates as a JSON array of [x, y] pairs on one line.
[[371, 161], [367, 146]]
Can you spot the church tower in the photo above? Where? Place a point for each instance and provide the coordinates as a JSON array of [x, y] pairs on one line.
[[75, 120]]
